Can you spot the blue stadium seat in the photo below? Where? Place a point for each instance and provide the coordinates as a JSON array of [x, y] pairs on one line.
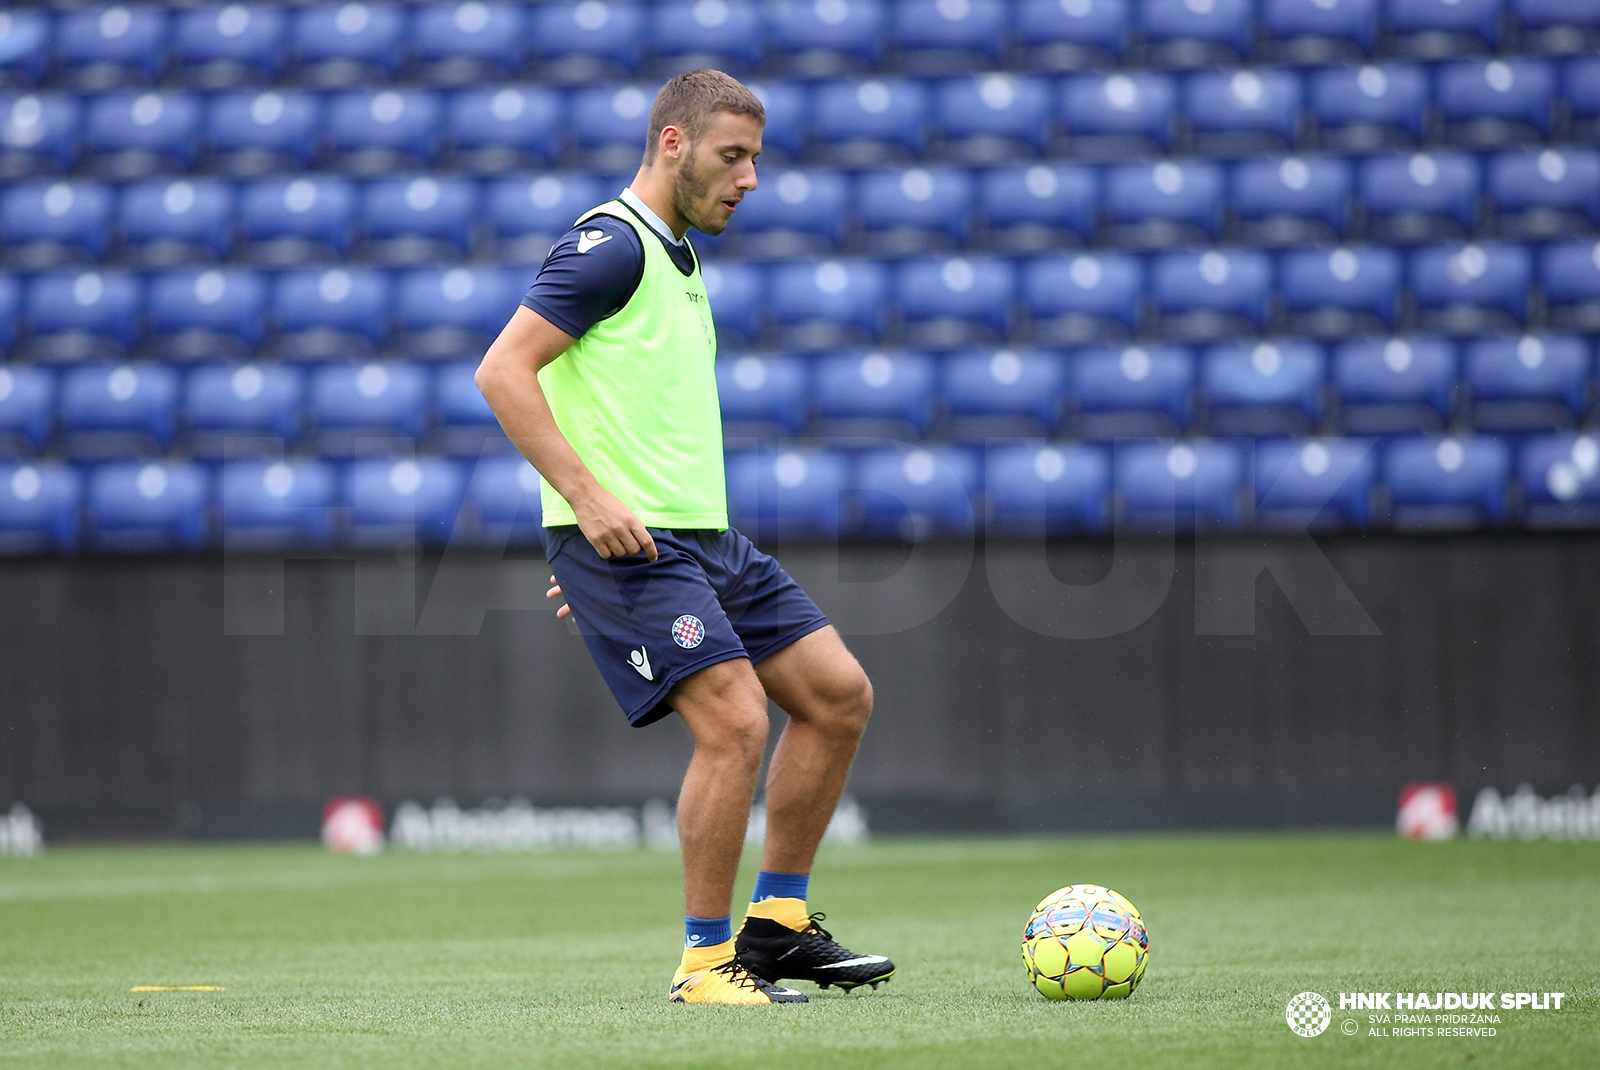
[[1035, 207], [611, 120], [788, 107], [415, 218], [257, 405], [941, 34], [394, 502], [173, 221], [786, 493], [1315, 31], [138, 133], [1545, 192], [1447, 482], [1336, 291], [1077, 297], [1068, 34], [110, 410], [1133, 390], [1263, 388], [461, 42], [375, 131], [1558, 16], [737, 292], [1498, 100], [801, 210], [47, 223], [1293, 199], [1197, 31], [39, 507], [504, 496], [1164, 202], [1394, 385], [860, 121], [255, 131], [1420, 195], [1438, 28], [1234, 109], [875, 393], [1196, 287], [207, 314], [1113, 114], [1036, 488], [148, 505], [449, 311], [74, 316], [345, 42], [914, 209], [1319, 483], [225, 44], [818, 304], [38, 132], [581, 40], [467, 426], [1012, 393], [1580, 88], [27, 409], [821, 37], [496, 129], [24, 47], [956, 300], [723, 34], [527, 214], [762, 395], [292, 220], [1362, 108], [988, 116], [10, 311], [364, 408], [330, 311], [1569, 273], [1472, 286], [276, 504], [109, 45], [914, 493], [1183, 485], [1536, 381], [1560, 477]]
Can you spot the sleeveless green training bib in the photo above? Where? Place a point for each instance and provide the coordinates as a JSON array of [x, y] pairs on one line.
[[637, 398]]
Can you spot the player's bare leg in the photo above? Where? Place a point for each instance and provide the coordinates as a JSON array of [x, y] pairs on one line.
[[726, 711], [828, 698]]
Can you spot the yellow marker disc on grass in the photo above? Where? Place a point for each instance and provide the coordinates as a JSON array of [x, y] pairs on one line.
[[177, 988]]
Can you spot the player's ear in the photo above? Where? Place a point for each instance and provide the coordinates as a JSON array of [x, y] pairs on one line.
[[673, 143]]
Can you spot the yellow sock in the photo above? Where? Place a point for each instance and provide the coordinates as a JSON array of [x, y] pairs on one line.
[[782, 909]]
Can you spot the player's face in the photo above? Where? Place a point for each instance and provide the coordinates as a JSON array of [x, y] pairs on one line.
[[719, 170]]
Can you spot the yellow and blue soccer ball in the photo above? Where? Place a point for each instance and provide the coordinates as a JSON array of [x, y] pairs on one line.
[[1085, 941]]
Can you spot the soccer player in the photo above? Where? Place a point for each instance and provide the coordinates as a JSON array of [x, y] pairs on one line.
[[604, 378]]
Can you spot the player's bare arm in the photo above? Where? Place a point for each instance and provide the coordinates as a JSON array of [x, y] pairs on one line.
[[509, 380]]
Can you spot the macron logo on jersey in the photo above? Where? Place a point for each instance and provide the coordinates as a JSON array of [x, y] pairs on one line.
[[590, 238]]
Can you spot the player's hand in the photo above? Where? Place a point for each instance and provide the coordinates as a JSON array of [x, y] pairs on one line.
[[563, 610], [611, 527]]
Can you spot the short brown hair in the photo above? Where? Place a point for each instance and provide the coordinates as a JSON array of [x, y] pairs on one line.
[[689, 100]]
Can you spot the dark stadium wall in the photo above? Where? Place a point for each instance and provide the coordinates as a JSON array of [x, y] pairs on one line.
[[1178, 685]]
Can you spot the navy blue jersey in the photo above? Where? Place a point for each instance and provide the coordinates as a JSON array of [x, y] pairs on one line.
[[592, 272]]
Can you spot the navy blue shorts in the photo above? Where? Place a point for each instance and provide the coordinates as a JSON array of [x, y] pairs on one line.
[[709, 596]]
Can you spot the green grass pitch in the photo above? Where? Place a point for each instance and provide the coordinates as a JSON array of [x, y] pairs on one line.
[[562, 960]]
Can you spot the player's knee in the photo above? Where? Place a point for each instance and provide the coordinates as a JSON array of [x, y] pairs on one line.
[[849, 703], [741, 734], [730, 713]]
